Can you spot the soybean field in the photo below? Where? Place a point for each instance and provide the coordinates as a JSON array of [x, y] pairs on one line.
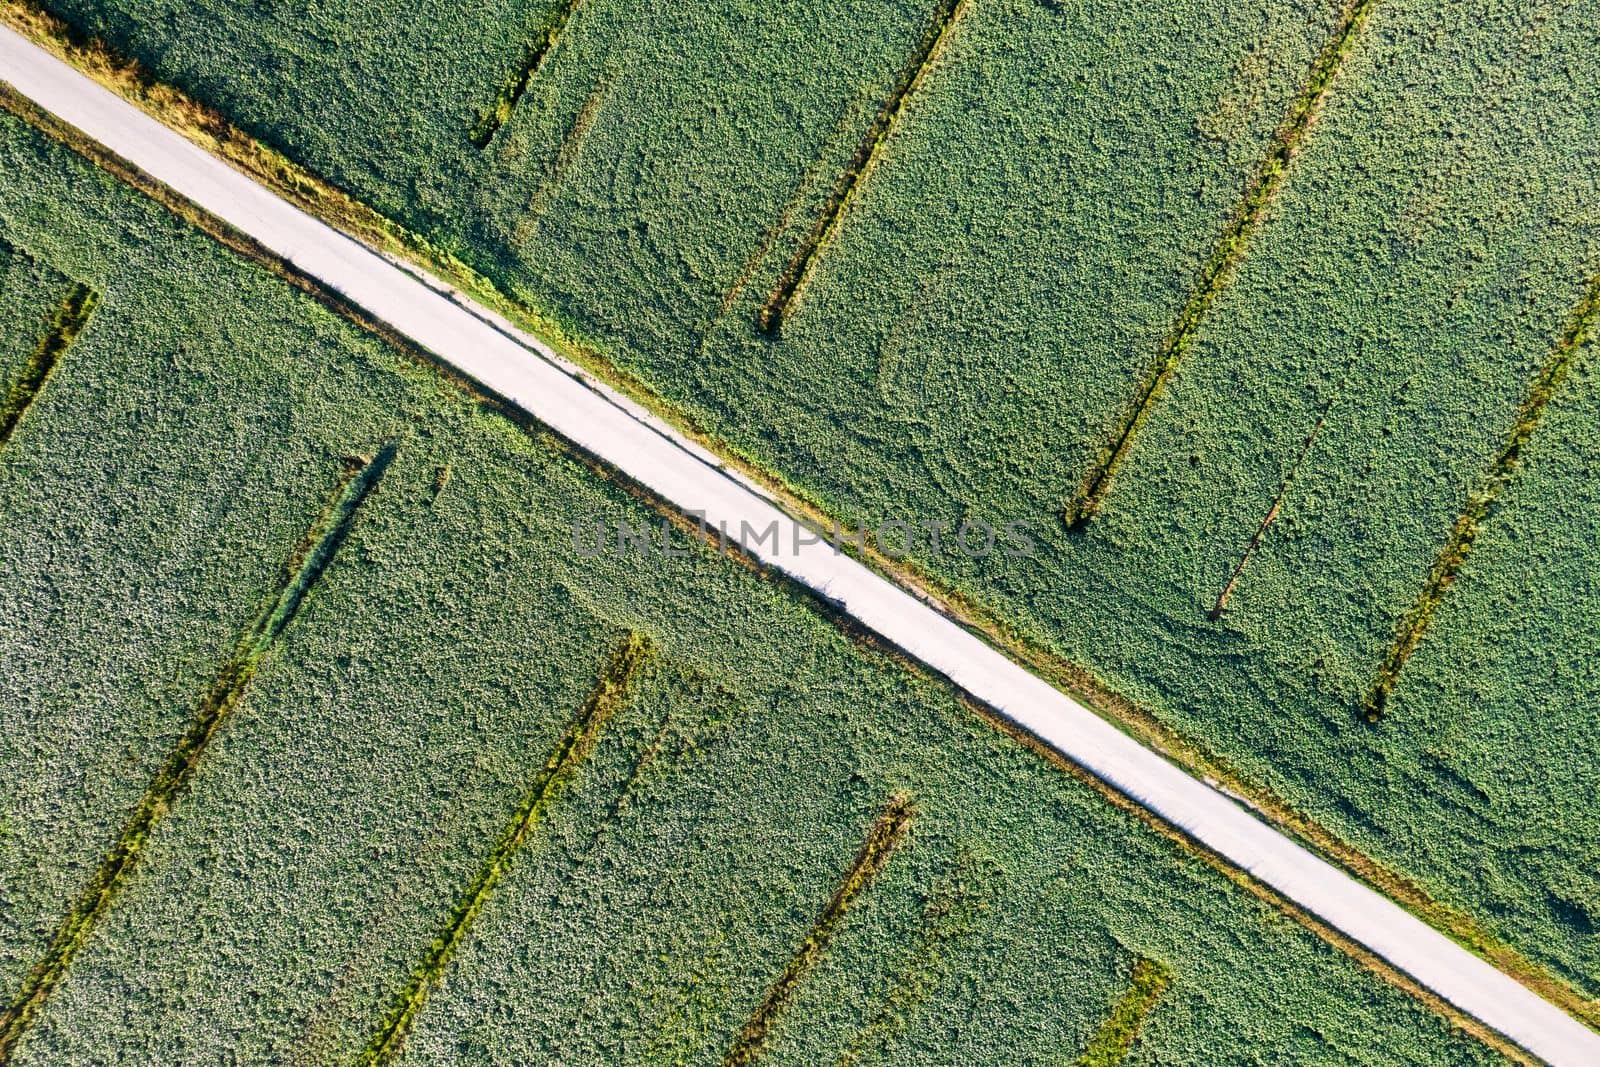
[[1269, 322], [332, 748]]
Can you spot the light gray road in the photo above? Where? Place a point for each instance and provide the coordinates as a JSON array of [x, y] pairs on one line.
[[529, 375]]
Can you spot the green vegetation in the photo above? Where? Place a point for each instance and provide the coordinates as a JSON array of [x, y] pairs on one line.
[[35, 334], [884, 837], [1481, 502], [1116, 1036], [132, 570], [1233, 244], [791, 283], [317, 550], [325, 834], [1272, 514], [1509, 665], [1423, 267], [30, 294], [510, 95], [1246, 209], [608, 695], [953, 913], [70, 319]]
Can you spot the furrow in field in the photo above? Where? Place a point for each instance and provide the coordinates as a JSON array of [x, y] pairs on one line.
[[1271, 516], [954, 909], [70, 319], [797, 272], [571, 148], [1116, 1035], [1482, 501], [1263, 186], [785, 219], [305, 567], [533, 56], [609, 694], [885, 836]]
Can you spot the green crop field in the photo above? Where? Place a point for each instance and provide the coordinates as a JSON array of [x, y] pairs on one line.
[[1509, 663], [467, 795], [1289, 272]]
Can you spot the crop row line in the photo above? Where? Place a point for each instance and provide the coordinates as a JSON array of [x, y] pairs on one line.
[[74, 313], [1114, 1039], [515, 85], [1271, 516], [1263, 187], [571, 147], [316, 550], [797, 272], [667, 755], [887, 832], [1481, 501], [781, 224], [954, 908], [609, 694]]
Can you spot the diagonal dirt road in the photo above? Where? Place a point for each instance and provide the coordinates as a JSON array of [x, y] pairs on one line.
[[528, 374]]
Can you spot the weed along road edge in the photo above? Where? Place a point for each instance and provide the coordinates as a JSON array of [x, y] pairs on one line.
[[528, 375]]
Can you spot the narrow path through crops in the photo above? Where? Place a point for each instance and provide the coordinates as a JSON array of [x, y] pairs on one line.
[[527, 374]]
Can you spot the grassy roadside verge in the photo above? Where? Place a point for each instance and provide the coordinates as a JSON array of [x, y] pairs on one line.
[[213, 133]]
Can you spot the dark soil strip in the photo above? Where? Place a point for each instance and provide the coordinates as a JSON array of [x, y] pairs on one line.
[[785, 218], [1272, 515], [798, 270], [886, 834], [1482, 501], [609, 694], [533, 55], [70, 319], [1259, 193], [310, 559], [1116, 1035]]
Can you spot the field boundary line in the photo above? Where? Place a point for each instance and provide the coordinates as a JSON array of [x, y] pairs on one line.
[[305, 566], [1114, 1040], [1271, 516], [1229, 249], [853, 590], [1481, 501], [888, 832], [516, 84], [610, 693], [791, 284], [71, 318], [587, 981]]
